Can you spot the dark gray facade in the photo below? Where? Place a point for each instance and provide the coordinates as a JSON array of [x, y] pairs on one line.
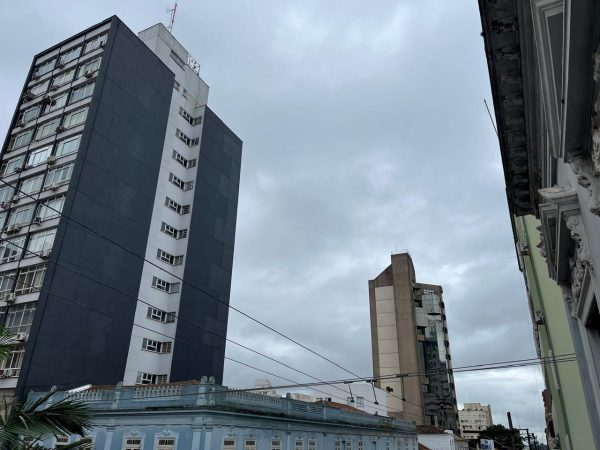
[[76, 337], [77, 317], [204, 306]]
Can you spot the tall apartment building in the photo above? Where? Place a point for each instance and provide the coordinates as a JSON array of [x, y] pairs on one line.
[[474, 418], [118, 189], [410, 336]]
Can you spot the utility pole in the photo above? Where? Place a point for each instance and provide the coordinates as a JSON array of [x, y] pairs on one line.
[[512, 434], [528, 436]]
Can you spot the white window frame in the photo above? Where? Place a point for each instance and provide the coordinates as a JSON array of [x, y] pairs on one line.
[[41, 242], [69, 55], [10, 166], [132, 443], [48, 208], [29, 114], [63, 78], [38, 156], [275, 444], [75, 118], [7, 282], [250, 444], [40, 88], [21, 139], [30, 279], [44, 68], [59, 176], [94, 43], [6, 193], [56, 103], [46, 129], [81, 92], [66, 143], [159, 315], [90, 67], [174, 206], [11, 249], [19, 318], [21, 216]]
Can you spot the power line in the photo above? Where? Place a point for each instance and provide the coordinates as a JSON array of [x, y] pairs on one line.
[[180, 340], [200, 289]]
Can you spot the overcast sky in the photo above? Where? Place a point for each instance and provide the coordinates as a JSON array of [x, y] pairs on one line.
[[364, 133]]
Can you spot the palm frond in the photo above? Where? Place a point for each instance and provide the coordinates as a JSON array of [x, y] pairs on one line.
[[6, 340]]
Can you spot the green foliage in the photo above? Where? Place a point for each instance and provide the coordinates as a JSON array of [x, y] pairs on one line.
[[502, 437], [24, 426]]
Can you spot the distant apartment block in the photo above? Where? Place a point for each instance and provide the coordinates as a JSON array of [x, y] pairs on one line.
[[409, 335], [473, 419]]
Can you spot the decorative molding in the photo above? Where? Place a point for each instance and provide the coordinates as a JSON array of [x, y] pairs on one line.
[[589, 178], [580, 261]]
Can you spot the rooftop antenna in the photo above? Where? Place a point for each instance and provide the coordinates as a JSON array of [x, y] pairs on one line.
[[172, 12]]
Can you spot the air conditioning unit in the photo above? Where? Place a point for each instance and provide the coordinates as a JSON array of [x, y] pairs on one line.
[[47, 99], [53, 88], [2, 374], [9, 372], [37, 220], [12, 258], [51, 159], [45, 253], [20, 124], [21, 337], [10, 297], [14, 199], [13, 229], [17, 169], [88, 73], [5, 205], [53, 186], [27, 166], [539, 318], [28, 95], [60, 129]]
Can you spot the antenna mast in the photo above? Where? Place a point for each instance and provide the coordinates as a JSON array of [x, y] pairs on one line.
[[172, 12]]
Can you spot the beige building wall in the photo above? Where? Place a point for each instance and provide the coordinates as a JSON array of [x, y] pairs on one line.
[[474, 418]]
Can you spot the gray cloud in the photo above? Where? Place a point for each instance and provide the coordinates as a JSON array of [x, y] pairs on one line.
[[364, 133]]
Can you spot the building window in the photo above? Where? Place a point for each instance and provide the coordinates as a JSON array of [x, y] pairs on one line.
[[348, 445], [173, 232], [29, 114], [38, 156], [275, 444], [174, 260], [10, 250], [132, 444], [69, 55], [81, 92], [156, 346], [188, 141], [179, 209], [176, 85], [37, 90], [338, 445], [88, 68], [50, 208], [63, 78], [30, 279], [11, 366], [20, 139], [189, 118], [10, 166], [153, 313], [68, 146], [55, 103], [60, 175], [250, 444], [44, 68], [360, 401], [6, 193], [7, 281], [388, 445], [299, 444], [20, 216], [164, 286], [95, 43], [30, 185], [20, 318], [187, 163], [166, 444], [75, 118], [41, 243], [150, 378], [312, 444], [46, 129], [361, 445], [183, 185]]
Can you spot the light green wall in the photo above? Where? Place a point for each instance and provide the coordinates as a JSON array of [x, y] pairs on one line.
[[571, 416]]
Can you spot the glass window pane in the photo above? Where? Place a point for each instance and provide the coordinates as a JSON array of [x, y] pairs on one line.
[[68, 146]]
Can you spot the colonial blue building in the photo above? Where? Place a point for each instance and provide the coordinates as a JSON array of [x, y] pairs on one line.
[[202, 416]]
